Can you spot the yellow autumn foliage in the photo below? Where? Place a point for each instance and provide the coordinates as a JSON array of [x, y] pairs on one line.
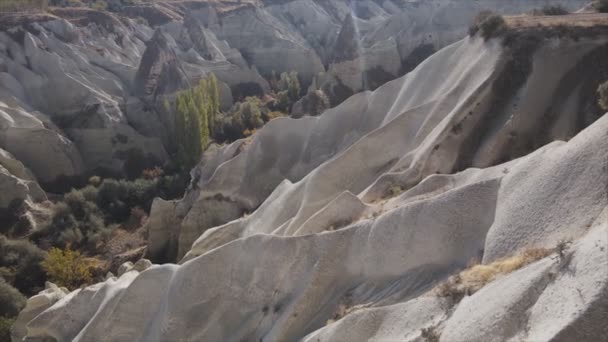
[[66, 268]]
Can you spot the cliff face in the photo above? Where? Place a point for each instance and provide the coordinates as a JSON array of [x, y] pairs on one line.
[[338, 227]]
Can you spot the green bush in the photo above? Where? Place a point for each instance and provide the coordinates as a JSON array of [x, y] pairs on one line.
[[99, 5], [73, 221], [244, 116], [11, 300], [492, 26], [602, 92], [554, 10], [20, 260], [5, 328], [283, 102], [488, 24], [287, 89], [22, 5], [250, 113], [117, 197], [602, 6]]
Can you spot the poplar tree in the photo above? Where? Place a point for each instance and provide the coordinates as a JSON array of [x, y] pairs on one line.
[[195, 113]]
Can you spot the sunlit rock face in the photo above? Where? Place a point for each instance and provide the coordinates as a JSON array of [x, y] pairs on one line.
[[382, 43], [337, 227], [92, 83], [81, 91]]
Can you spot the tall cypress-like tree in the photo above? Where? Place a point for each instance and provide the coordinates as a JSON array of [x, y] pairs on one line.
[[195, 113], [214, 98]]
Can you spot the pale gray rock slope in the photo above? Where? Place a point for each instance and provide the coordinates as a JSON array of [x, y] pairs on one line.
[[17, 182], [362, 210], [462, 107], [81, 91]]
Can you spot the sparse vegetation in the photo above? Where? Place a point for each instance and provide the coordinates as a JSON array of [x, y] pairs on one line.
[[602, 92], [551, 10], [100, 223], [67, 268], [5, 327], [20, 265], [314, 103], [488, 24], [11, 302], [394, 191], [287, 89], [601, 6], [475, 277], [22, 5], [562, 247], [430, 334]]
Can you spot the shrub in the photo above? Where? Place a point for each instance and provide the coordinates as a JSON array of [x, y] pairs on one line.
[[11, 300], [488, 24], [74, 220], [99, 5], [95, 180], [492, 26], [479, 18], [152, 173], [602, 92], [250, 113], [430, 334], [602, 6], [5, 328], [90, 193], [318, 102], [394, 191], [22, 5], [20, 260], [553, 10], [282, 102], [66, 268], [116, 198]]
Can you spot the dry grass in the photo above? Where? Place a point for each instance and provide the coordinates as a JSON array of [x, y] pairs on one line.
[[477, 276]]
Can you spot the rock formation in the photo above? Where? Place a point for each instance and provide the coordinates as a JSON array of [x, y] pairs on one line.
[[338, 227], [87, 86]]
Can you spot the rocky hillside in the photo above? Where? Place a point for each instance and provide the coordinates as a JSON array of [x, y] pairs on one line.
[[490, 157], [81, 90]]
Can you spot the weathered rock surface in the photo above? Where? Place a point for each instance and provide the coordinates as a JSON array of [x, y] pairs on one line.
[[81, 91], [17, 182], [487, 118], [484, 150], [34, 306]]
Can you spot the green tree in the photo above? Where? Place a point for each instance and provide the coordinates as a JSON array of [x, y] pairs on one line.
[[196, 112], [214, 98], [293, 86], [251, 114], [602, 91]]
